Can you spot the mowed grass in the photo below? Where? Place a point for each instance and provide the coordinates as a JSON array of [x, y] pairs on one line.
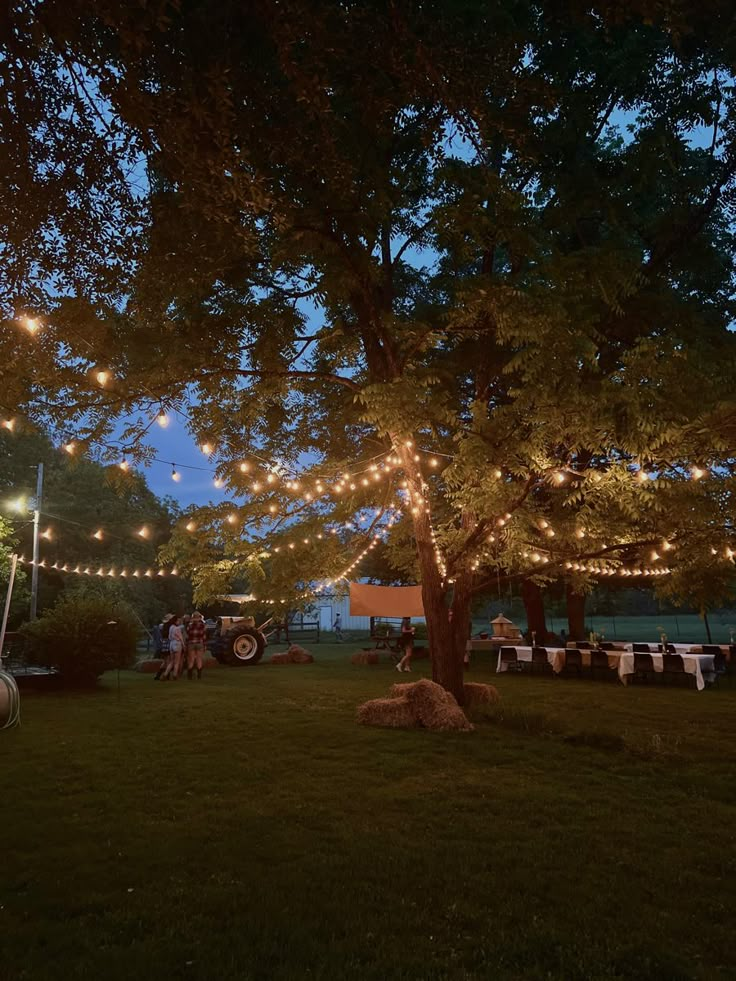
[[245, 827]]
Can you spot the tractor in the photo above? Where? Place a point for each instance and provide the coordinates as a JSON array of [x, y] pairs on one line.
[[237, 641]]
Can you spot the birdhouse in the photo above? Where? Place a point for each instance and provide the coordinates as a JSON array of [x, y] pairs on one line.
[[505, 628]]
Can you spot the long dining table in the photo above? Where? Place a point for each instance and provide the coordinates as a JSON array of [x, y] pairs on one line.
[[621, 660]]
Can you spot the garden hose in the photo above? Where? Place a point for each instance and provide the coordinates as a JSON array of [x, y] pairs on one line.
[[9, 701]]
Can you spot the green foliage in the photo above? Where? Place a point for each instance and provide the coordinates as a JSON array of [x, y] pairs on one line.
[[517, 254], [84, 635]]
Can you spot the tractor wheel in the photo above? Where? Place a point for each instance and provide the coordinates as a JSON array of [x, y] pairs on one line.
[[242, 645]]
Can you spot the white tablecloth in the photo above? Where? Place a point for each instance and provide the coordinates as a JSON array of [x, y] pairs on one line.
[[700, 665]]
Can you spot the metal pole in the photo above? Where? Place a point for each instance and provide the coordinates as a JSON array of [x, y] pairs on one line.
[[8, 597], [36, 520]]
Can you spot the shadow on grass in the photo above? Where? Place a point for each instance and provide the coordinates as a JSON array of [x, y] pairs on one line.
[[650, 747]]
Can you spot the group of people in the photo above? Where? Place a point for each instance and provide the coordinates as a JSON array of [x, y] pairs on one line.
[[179, 640]]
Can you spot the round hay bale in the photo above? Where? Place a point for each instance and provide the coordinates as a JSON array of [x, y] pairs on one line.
[[477, 694], [394, 713], [365, 657], [149, 666], [436, 708]]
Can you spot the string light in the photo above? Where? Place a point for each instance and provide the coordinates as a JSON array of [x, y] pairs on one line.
[[175, 475], [99, 534], [124, 465], [8, 424], [206, 448], [698, 473], [103, 377], [31, 324], [70, 447], [143, 532], [162, 419]]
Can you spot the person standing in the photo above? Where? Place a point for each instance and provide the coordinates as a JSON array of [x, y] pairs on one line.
[[176, 649], [407, 642], [195, 644], [337, 628], [163, 648]]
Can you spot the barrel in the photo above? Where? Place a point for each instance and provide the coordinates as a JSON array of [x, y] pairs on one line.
[[9, 701]]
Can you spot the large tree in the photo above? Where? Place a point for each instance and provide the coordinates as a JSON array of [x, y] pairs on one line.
[[492, 235]]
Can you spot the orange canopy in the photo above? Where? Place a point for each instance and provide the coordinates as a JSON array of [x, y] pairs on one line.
[[385, 601]]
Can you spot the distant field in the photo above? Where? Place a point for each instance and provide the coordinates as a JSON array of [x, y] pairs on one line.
[[684, 627]]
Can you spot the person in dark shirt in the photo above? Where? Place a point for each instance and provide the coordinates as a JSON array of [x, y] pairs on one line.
[[195, 644]]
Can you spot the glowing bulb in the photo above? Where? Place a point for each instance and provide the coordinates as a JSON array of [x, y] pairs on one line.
[[99, 534], [408, 444], [232, 518], [255, 487], [70, 447], [218, 482], [654, 556], [103, 377], [642, 476], [18, 504], [560, 477], [244, 467], [272, 508], [364, 482], [434, 462], [46, 534], [190, 526], [271, 478], [8, 424], [124, 465], [31, 324], [579, 533], [162, 419], [175, 475], [698, 473], [206, 448], [143, 532]]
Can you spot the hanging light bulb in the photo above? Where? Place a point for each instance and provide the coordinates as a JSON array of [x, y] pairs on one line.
[[244, 467], [271, 478], [8, 424], [103, 377], [272, 508], [124, 465], [190, 526], [218, 482], [560, 477], [31, 324], [697, 473], [162, 419], [70, 447], [47, 534], [143, 532], [255, 487], [232, 518], [206, 448], [99, 534], [175, 475]]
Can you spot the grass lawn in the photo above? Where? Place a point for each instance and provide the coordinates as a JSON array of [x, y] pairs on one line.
[[245, 828]]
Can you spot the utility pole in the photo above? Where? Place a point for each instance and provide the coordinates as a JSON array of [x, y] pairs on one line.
[[36, 521]]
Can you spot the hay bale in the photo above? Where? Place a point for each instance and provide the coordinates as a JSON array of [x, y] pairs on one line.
[[365, 657], [477, 694], [297, 655], [294, 655], [149, 666], [436, 708], [395, 713]]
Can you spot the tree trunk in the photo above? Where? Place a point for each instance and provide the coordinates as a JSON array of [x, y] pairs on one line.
[[707, 626], [533, 599], [575, 614], [447, 636]]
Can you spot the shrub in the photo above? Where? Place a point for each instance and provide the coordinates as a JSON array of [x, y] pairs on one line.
[[83, 636]]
